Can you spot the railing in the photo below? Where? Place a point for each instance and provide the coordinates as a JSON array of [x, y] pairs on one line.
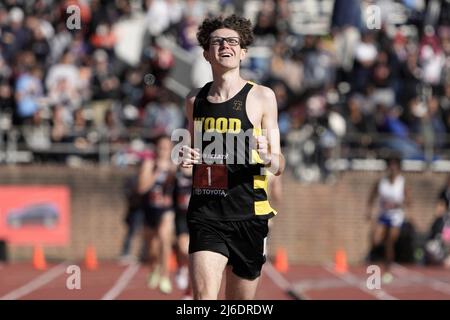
[[15, 149], [310, 159], [307, 155]]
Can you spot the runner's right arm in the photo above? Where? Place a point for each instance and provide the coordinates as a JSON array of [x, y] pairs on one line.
[[146, 176]]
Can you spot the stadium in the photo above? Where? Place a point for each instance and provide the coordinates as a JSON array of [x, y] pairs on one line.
[[89, 87]]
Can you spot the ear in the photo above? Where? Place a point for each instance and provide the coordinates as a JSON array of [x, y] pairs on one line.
[[243, 54], [206, 55]]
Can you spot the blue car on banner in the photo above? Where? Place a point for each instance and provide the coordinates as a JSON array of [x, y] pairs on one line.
[[39, 214]]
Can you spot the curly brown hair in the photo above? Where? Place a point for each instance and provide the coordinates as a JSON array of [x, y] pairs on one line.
[[241, 25]]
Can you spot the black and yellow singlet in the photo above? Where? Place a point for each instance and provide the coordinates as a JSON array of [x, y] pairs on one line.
[[230, 183]]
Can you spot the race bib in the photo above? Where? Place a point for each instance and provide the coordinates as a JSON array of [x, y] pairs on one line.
[[211, 176]]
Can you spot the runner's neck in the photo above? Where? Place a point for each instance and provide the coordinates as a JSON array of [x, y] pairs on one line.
[[226, 85]]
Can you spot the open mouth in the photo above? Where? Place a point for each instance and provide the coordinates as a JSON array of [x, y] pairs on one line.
[[225, 55]]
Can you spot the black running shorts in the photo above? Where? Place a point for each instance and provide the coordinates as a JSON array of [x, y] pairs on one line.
[[242, 242], [153, 217]]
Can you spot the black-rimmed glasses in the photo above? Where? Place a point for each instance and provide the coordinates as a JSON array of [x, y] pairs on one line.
[[217, 41]]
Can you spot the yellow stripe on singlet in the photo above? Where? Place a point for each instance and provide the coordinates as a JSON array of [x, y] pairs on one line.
[[263, 207], [260, 182]]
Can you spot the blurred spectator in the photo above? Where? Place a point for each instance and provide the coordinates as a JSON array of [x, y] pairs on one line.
[[346, 13], [39, 43], [104, 82], [162, 116], [201, 70], [15, 36], [409, 79], [365, 58], [60, 42], [426, 122], [265, 29], [284, 67], [283, 96], [187, 33], [345, 25], [195, 10], [104, 38], [79, 47], [282, 16], [444, 102], [161, 64], [63, 83], [112, 130], [131, 87], [37, 133], [60, 121], [360, 126], [7, 104], [399, 139], [29, 90], [176, 8], [157, 16], [105, 86], [265, 36], [318, 64], [81, 134], [431, 57], [5, 70]]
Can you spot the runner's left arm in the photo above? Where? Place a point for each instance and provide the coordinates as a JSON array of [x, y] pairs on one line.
[[271, 149]]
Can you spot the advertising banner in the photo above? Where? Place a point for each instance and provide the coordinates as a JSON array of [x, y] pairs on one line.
[[32, 215]]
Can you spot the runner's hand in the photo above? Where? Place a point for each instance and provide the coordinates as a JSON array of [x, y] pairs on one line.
[[189, 156], [262, 146]]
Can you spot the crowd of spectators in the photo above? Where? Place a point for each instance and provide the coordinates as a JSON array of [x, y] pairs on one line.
[[66, 86], [367, 83]]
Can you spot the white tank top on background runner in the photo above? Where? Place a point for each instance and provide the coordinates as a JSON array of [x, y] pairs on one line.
[[391, 192]]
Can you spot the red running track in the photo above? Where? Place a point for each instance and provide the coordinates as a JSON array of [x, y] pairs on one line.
[[113, 281]]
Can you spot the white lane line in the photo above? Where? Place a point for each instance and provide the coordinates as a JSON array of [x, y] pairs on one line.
[[422, 279], [281, 281], [36, 283], [354, 281], [320, 284], [122, 282]]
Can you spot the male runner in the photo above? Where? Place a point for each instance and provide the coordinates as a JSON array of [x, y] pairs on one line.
[[229, 210]]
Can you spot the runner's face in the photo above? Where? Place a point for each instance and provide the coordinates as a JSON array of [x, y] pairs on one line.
[[393, 169], [225, 49]]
